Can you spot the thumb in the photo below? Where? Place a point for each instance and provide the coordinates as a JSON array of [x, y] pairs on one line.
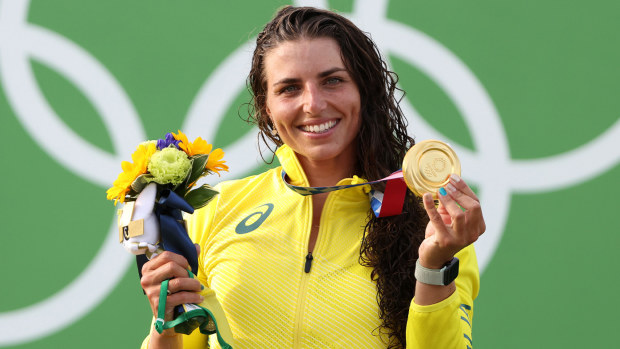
[[197, 248]]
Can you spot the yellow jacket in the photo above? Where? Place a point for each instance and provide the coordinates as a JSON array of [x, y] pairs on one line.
[[254, 242]]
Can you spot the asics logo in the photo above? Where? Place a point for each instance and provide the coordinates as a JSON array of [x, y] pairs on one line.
[[254, 220]]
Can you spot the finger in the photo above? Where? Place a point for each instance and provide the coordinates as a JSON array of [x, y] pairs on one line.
[[457, 215], [470, 221], [433, 215], [182, 298], [460, 184], [167, 271], [466, 201], [445, 215], [164, 258], [184, 284]]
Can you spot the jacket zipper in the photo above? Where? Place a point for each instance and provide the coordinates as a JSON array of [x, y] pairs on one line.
[[308, 265], [305, 277], [301, 304]]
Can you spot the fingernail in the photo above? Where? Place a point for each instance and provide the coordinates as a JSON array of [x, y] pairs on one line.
[[202, 287], [442, 191], [455, 178], [451, 188], [201, 298]]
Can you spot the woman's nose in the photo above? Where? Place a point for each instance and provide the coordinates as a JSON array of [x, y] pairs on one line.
[[313, 99]]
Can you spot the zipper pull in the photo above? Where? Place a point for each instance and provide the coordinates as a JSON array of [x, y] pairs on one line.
[[309, 259]]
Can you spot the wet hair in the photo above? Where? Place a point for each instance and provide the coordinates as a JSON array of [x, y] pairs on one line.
[[390, 244]]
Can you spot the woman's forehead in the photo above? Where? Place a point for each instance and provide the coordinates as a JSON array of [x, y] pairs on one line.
[[303, 56]]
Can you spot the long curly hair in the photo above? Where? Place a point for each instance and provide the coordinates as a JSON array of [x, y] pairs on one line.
[[390, 245]]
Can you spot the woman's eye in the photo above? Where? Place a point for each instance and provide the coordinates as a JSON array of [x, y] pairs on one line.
[[288, 89], [333, 81]]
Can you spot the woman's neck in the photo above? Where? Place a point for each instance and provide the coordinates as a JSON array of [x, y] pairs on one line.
[[326, 172]]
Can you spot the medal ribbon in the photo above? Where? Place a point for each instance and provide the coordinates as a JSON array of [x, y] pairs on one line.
[[385, 204], [193, 316]]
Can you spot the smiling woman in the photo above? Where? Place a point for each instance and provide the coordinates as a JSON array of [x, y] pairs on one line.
[[294, 271]]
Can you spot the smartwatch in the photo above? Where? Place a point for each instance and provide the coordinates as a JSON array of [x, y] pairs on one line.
[[443, 276]]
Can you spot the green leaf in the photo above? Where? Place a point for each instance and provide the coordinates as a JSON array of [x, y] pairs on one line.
[[198, 168], [139, 183], [199, 197]]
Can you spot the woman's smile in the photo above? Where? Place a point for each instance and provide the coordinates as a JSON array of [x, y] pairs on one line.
[[319, 128]]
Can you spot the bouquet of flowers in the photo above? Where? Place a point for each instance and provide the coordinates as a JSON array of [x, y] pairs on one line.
[[157, 186], [155, 189]]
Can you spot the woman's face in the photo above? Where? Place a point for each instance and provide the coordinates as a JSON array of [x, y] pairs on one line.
[[312, 100]]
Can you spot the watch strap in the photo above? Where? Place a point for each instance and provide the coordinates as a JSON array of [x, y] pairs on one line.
[[443, 276]]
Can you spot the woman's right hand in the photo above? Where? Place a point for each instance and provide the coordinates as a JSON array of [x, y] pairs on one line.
[[181, 288]]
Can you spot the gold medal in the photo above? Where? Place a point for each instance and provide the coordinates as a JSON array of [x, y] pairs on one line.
[[427, 167]]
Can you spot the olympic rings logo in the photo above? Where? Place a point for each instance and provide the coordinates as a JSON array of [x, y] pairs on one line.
[[21, 41]]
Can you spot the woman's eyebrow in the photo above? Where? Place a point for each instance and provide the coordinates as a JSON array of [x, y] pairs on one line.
[[331, 71], [323, 74], [287, 81]]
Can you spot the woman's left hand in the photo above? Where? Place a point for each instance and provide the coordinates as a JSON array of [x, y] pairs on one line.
[[450, 228]]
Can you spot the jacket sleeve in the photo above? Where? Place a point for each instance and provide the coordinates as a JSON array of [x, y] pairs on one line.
[[447, 324]]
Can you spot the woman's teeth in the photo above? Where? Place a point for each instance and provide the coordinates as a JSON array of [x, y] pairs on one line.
[[319, 128]]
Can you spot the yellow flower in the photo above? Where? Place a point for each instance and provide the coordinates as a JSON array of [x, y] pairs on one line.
[[199, 146], [215, 162], [131, 171]]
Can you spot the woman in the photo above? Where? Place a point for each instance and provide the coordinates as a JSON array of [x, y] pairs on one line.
[[321, 271]]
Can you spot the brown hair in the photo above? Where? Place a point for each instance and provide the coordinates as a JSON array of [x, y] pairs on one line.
[[390, 245]]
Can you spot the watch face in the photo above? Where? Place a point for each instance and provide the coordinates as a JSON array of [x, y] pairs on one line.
[[451, 271]]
